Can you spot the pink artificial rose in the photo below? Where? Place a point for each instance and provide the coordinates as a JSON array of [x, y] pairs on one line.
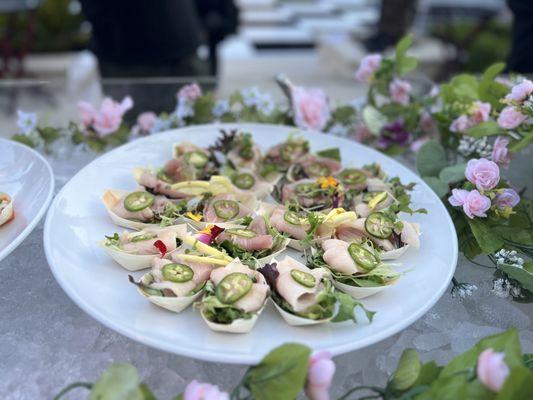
[[190, 92], [109, 117], [480, 112], [509, 118], [319, 376], [483, 173], [369, 65], [146, 121], [491, 369], [310, 107], [507, 198], [473, 202], [461, 124], [500, 153], [399, 91], [87, 113], [203, 391], [520, 91]]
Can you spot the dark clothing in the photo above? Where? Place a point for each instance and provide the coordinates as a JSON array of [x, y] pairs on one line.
[[143, 31], [521, 57]]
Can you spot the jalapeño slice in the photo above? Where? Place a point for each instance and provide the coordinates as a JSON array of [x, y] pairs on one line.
[[140, 238], [292, 218], [226, 209], [233, 287], [247, 233], [163, 176], [197, 159], [177, 273], [138, 201], [318, 169], [379, 225], [303, 278], [306, 189], [352, 176], [363, 257], [243, 180], [286, 150]]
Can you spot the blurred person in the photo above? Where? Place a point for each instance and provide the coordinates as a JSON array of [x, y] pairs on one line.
[[220, 18], [395, 19], [141, 38], [521, 57]]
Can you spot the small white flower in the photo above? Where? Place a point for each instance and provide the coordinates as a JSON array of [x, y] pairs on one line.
[[184, 109], [220, 108], [469, 145], [263, 102], [27, 122], [508, 257]]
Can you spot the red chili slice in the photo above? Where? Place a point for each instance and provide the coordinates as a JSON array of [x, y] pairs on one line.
[[161, 247]]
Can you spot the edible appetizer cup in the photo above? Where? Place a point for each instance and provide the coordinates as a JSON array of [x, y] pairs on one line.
[[174, 285], [356, 268], [302, 296], [391, 236], [235, 297], [136, 250], [6, 209]]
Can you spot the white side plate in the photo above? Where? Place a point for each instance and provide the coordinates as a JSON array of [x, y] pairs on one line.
[[27, 177]]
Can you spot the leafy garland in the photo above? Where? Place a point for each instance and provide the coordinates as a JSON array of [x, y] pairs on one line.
[[464, 133], [493, 369]]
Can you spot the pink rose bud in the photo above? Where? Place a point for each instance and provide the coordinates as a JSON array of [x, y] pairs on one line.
[[310, 108], [399, 91], [203, 391], [146, 121], [480, 112], [507, 198], [520, 91], [87, 113], [369, 65], [461, 124], [362, 134], [509, 118], [491, 369], [320, 376], [190, 92], [500, 153], [473, 202], [109, 117], [483, 173]]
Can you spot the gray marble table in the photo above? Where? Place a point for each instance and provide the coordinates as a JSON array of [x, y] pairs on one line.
[[46, 341]]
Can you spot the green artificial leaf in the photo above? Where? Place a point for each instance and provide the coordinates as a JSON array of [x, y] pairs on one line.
[[49, 134], [178, 397], [439, 186], [281, 374], [333, 153], [146, 392], [407, 371], [490, 90], [521, 275], [203, 109], [403, 45], [518, 385], [487, 238], [24, 140], [431, 159], [373, 119], [407, 65], [528, 360], [516, 236], [428, 373], [453, 173], [462, 88], [344, 115], [404, 64], [455, 388], [488, 128], [118, 382], [518, 145]]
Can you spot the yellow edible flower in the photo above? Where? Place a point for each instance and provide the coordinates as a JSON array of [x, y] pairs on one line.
[[207, 229], [195, 217], [327, 182]]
